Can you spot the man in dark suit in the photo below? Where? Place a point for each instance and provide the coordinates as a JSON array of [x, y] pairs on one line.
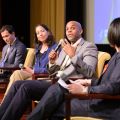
[[14, 55], [14, 52], [52, 103], [77, 59]]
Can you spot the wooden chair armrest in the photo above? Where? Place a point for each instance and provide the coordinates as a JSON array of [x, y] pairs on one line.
[[92, 96], [41, 75], [44, 76], [10, 68], [69, 96]]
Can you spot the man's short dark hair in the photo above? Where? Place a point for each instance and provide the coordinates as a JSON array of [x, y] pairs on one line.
[[9, 28]]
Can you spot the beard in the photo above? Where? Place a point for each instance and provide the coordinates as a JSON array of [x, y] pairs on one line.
[[74, 39]]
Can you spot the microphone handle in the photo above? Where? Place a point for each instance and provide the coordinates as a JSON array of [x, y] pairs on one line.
[[57, 48]]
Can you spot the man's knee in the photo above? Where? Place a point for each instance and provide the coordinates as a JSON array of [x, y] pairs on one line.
[[17, 83], [57, 88], [27, 85]]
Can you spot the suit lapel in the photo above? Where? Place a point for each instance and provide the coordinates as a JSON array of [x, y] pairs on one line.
[[10, 51], [5, 51], [80, 45], [61, 58], [12, 47], [63, 54]]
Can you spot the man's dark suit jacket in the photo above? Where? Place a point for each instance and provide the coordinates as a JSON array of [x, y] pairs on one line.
[[109, 83]]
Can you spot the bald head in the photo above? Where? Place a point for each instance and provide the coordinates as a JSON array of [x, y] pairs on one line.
[[73, 30], [77, 24]]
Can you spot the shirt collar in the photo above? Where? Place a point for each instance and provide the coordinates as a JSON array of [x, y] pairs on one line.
[[13, 42], [77, 42]]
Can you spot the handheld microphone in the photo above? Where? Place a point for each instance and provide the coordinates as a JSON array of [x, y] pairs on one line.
[[21, 66], [59, 45]]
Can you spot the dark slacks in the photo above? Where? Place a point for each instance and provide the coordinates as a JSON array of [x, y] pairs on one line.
[[51, 105], [20, 95]]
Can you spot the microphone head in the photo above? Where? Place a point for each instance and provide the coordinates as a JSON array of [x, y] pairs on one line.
[[59, 45], [61, 40], [21, 66]]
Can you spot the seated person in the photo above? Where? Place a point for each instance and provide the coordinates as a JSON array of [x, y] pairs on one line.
[[76, 59], [13, 53], [44, 43], [52, 106]]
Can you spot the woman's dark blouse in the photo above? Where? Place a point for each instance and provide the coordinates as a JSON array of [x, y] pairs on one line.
[[41, 59]]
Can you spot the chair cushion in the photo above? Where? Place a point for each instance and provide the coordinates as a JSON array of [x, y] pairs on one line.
[[102, 58], [29, 61]]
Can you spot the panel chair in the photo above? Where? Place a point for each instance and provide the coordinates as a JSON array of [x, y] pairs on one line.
[[102, 58]]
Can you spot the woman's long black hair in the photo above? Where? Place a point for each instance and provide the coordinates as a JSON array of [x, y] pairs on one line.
[[50, 40]]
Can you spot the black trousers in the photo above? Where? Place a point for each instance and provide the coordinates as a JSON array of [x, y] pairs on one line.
[[19, 96], [51, 105]]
